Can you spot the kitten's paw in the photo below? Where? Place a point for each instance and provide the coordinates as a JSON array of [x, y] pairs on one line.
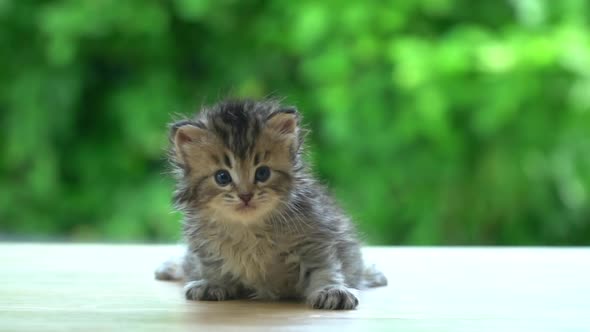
[[333, 298], [373, 277], [203, 291], [170, 270]]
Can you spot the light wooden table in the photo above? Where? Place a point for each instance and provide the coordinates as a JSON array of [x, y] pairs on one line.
[[111, 288]]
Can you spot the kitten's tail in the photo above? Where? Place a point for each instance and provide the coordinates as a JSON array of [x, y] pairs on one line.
[[373, 277], [171, 269]]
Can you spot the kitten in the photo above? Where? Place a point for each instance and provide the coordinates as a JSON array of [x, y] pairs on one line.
[[256, 222]]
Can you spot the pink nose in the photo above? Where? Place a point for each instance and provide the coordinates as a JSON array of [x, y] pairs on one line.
[[245, 197]]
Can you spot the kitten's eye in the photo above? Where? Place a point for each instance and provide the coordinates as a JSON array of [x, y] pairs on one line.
[[262, 174], [222, 177]]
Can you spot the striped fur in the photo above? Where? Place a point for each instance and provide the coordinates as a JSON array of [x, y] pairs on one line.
[[295, 243]]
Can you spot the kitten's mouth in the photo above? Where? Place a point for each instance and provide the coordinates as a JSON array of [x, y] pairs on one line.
[[245, 208]]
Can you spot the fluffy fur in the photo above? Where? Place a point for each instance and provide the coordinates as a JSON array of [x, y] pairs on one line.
[[289, 241]]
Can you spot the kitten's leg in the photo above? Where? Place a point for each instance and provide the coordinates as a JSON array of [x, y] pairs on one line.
[[207, 284], [326, 289], [205, 290]]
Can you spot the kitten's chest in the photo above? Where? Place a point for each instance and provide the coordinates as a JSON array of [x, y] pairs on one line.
[[257, 261]]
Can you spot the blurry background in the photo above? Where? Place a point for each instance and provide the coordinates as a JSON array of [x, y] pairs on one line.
[[434, 121]]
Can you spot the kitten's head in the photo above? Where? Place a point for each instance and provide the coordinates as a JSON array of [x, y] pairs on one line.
[[237, 159]]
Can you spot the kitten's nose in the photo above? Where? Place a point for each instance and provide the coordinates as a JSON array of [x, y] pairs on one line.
[[245, 197]]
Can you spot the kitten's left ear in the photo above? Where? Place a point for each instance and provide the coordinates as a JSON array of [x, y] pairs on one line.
[[184, 133], [284, 121]]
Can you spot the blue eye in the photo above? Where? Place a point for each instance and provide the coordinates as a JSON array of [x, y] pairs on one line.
[[222, 177], [262, 174]]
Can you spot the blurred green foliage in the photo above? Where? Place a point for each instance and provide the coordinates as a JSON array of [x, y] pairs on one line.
[[434, 121]]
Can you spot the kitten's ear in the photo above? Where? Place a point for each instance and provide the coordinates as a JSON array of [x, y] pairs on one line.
[[183, 133], [284, 121]]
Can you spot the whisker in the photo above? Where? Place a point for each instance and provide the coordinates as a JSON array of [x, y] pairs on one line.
[[297, 214]]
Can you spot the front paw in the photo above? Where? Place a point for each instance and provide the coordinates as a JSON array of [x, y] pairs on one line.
[[203, 291], [333, 298]]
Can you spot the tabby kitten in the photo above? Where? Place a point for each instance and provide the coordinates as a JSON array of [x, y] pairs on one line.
[[257, 223]]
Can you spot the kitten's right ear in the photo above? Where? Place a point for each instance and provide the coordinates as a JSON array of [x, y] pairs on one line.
[[284, 121], [183, 133]]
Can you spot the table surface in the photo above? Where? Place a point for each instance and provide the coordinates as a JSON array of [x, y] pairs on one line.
[[69, 287]]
